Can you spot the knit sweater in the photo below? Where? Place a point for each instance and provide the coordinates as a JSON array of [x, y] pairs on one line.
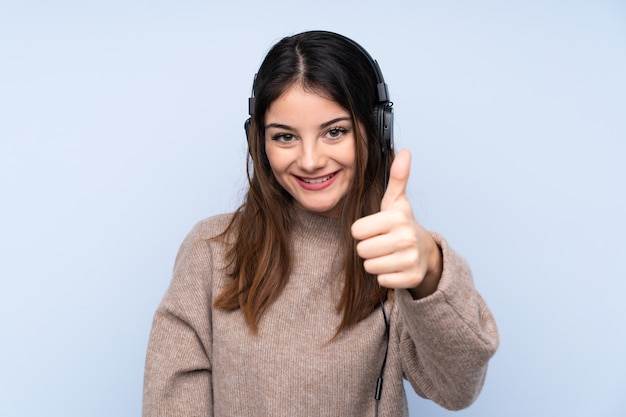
[[203, 361]]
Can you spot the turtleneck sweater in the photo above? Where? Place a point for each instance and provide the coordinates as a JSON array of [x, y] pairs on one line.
[[203, 361]]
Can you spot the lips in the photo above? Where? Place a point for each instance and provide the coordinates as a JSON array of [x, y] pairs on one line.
[[318, 183], [317, 180]]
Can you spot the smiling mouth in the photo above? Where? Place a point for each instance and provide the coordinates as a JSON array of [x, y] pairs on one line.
[[317, 180]]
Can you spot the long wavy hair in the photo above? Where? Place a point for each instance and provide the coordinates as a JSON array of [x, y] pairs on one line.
[[259, 259]]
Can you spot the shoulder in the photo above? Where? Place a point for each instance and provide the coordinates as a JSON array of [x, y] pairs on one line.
[[203, 235], [210, 227]]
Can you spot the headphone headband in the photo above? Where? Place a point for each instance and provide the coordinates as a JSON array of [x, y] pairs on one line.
[[381, 86]]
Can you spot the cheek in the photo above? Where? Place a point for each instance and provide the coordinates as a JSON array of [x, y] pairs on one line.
[[348, 156], [277, 160]]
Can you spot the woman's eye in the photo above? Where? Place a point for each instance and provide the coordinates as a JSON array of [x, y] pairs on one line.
[[283, 137], [336, 132]]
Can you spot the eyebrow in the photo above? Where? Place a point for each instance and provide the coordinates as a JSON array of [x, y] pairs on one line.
[[322, 126]]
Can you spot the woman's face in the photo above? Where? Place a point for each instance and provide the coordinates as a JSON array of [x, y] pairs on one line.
[[310, 144]]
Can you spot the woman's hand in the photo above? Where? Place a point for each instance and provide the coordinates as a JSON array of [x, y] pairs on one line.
[[393, 244]]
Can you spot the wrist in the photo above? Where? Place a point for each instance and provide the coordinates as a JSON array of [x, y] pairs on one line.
[[432, 277]]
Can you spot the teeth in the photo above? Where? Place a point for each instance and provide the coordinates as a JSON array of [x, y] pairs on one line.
[[317, 180]]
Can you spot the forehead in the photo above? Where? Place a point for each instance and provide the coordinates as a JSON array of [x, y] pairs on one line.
[[300, 105]]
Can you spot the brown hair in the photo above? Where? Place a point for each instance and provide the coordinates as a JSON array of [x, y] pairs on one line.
[[259, 259]]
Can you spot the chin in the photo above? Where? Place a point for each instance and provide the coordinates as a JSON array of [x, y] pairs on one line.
[[327, 211]]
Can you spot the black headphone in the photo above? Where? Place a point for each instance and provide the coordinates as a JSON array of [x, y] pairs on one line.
[[383, 108]]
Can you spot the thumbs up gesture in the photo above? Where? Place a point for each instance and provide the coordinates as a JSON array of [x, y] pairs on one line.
[[393, 244]]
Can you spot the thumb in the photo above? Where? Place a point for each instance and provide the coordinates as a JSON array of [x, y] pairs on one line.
[[398, 179]]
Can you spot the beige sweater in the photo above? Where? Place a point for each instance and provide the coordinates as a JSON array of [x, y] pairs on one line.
[[205, 362]]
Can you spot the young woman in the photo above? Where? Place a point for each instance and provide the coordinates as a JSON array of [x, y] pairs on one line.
[[321, 293]]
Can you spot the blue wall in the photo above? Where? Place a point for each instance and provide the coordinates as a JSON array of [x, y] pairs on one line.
[[121, 126]]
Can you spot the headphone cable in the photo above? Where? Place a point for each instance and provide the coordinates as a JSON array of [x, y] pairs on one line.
[[379, 381]]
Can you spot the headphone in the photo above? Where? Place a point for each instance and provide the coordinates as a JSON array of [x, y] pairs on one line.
[[383, 108]]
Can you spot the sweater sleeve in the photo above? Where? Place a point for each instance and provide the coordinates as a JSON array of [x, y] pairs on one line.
[[177, 380], [447, 338]]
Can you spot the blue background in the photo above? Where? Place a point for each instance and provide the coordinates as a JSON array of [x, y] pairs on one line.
[[121, 126]]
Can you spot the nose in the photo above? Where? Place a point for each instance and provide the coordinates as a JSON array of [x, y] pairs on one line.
[[312, 156]]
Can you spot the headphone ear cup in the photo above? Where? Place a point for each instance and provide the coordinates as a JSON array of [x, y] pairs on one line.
[[387, 127], [384, 120], [383, 114], [246, 127]]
